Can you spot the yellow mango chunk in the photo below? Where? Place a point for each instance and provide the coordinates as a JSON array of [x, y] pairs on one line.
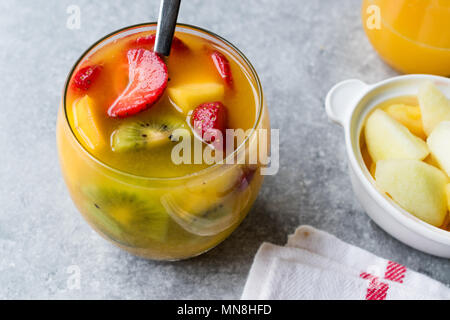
[[409, 116], [188, 97], [86, 122]]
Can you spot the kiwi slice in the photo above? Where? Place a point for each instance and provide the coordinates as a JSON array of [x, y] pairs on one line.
[[145, 134], [126, 217]]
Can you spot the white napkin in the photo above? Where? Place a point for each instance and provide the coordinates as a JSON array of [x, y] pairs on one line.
[[317, 265]]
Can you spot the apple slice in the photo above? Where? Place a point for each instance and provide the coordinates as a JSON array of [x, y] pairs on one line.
[[85, 119], [387, 139], [435, 106], [439, 144], [409, 116], [188, 97], [416, 186]]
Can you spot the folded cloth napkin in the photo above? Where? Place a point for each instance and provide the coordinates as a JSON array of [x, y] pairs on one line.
[[317, 265]]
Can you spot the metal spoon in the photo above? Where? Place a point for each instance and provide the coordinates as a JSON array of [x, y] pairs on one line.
[[167, 20]]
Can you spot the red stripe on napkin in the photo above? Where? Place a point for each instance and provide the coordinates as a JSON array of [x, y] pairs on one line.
[[376, 290], [395, 272]]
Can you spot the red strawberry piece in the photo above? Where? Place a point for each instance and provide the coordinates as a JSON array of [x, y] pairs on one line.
[[223, 67], [209, 121], [179, 45], [146, 40], [149, 41], [147, 81], [84, 78]]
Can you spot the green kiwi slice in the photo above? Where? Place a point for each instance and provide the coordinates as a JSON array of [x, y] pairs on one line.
[[146, 134], [126, 217]]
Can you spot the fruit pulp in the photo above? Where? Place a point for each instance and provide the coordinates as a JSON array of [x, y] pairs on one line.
[[413, 35], [139, 199]]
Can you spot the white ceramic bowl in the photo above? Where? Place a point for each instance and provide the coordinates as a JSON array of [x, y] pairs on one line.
[[348, 103]]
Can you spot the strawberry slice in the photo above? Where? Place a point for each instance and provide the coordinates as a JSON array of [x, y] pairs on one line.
[[147, 81], [146, 40], [177, 44], [208, 120], [149, 41], [84, 78], [223, 67]]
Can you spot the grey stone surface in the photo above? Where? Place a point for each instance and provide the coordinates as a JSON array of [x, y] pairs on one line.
[[300, 49]]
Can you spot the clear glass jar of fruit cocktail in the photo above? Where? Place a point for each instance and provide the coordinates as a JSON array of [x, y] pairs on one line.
[[413, 36], [124, 115]]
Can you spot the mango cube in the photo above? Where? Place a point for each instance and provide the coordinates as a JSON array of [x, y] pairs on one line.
[[188, 97], [85, 119], [409, 116]]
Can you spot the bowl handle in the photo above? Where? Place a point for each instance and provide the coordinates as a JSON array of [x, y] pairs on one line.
[[341, 99]]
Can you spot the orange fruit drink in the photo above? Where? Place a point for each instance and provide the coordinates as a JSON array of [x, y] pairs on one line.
[[125, 117], [413, 36]]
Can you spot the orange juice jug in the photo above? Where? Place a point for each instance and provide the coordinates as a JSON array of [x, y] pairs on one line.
[[413, 36]]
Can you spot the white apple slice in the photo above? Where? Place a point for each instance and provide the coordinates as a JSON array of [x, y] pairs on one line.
[[439, 144], [188, 97], [434, 106], [387, 139], [416, 186]]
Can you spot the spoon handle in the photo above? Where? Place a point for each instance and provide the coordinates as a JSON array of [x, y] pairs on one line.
[[168, 14]]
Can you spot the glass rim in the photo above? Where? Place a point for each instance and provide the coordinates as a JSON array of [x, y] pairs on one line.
[[187, 176]]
